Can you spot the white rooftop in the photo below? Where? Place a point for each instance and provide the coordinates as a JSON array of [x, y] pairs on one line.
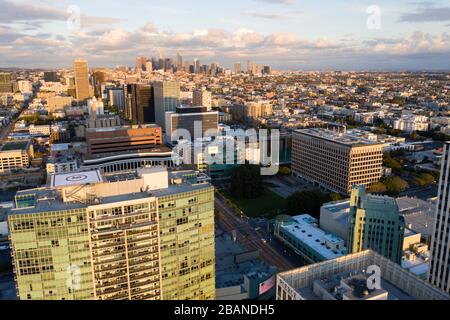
[[75, 178], [304, 228]]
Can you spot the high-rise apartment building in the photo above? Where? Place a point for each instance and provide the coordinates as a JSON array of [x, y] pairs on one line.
[[140, 103], [202, 98], [167, 98], [335, 160], [375, 223], [439, 274], [144, 237], [5, 82], [81, 70]]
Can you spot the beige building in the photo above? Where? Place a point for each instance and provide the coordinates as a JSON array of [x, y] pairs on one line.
[[142, 236], [202, 98], [15, 155], [257, 109], [335, 160], [81, 70], [58, 102]]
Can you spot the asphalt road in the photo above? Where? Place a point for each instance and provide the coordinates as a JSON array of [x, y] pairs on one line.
[[248, 237], [422, 193]]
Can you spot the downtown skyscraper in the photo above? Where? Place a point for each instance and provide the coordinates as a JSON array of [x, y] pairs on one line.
[[81, 70], [440, 245]]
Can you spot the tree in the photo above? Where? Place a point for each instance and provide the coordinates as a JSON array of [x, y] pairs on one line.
[[284, 171], [378, 187], [246, 182], [396, 185], [335, 196], [306, 202]]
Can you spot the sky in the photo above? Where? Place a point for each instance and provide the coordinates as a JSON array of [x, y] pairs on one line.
[[286, 34]]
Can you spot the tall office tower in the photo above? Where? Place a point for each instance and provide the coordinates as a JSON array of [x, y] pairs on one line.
[[149, 66], [167, 98], [116, 98], [439, 274], [179, 63], [5, 82], [81, 79], [160, 64], [141, 64], [267, 70], [168, 64], [141, 104], [187, 67], [335, 160], [50, 76], [237, 68], [202, 98], [186, 117], [249, 66], [146, 236], [213, 69], [375, 223], [196, 66], [99, 78]]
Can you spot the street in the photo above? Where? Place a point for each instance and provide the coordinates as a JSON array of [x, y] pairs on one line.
[[248, 237]]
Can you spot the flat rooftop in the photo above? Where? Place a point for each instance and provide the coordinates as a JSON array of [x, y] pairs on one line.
[[344, 138], [14, 145], [50, 198], [165, 150], [75, 178], [357, 281], [122, 128], [304, 228]]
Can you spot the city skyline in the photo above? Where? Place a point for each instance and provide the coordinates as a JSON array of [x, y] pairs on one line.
[[287, 34]]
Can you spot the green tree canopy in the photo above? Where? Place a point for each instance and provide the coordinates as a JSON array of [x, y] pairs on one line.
[[247, 182]]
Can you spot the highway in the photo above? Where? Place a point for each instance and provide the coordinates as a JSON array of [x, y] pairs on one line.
[[248, 237]]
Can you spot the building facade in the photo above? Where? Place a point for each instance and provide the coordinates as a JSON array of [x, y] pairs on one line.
[[81, 70], [16, 155], [375, 223], [167, 98], [186, 118], [335, 161], [440, 247], [122, 139], [149, 237], [140, 103]]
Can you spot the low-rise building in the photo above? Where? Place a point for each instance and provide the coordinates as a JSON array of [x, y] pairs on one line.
[[302, 234], [16, 155]]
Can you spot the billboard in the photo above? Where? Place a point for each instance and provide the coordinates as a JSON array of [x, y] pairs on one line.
[[267, 285]]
